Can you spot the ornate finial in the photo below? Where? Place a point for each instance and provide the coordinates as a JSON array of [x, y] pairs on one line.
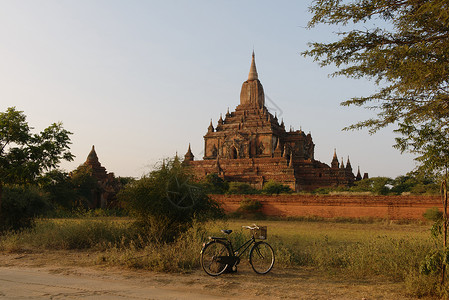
[[189, 155], [348, 164], [252, 71], [211, 127], [342, 164], [334, 163], [359, 176]]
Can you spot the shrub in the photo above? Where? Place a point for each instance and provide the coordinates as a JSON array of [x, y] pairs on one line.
[[376, 185], [213, 184], [20, 206], [273, 187], [166, 201], [240, 188], [249, 209], [250, 205], [433, 214]]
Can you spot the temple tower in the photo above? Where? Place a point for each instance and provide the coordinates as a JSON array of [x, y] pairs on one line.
[[251, 94]]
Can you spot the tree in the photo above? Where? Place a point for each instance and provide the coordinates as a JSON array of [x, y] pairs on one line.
[[167, 201], [406, 55], [24, 155], [59, 189], [375, 185], [214, 184], [416, 182], [86, 187]]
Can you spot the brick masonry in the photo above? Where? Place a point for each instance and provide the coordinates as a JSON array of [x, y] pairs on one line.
[[251, 145], [331, 206]]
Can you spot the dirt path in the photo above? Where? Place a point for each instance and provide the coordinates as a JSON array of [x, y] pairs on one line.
[[69, 275]]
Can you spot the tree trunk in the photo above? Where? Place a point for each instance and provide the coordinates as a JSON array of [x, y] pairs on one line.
[[1, 193], [445, 223]]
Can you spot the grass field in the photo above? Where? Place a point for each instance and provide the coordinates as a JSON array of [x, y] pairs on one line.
[[352, 248]]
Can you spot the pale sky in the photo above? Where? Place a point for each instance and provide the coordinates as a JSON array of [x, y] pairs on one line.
[[141, 80]]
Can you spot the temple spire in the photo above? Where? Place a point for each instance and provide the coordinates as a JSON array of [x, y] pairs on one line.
[[334, 163], [211, 127], [92, 155], [252, 71], [359, 176], [189, 155], [348, 165]]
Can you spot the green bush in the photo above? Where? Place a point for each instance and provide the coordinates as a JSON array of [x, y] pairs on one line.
[[375, 185], [250, 205], [20, 206], [433, 214], [273, 187], [249, 209], [166, 201], [213, 184], [241, 188]]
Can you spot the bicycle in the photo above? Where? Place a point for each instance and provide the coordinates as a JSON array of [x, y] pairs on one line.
[[218, 254]]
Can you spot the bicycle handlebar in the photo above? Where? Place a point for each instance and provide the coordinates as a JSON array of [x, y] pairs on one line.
[[254, 226]]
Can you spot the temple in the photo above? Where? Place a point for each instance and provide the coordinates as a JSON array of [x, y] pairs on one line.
[[104, 195], [250, 145]]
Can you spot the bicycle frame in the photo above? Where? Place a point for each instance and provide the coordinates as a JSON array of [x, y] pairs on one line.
[[247, 244]]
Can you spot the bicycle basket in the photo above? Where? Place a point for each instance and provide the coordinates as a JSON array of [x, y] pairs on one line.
[[260, 233]]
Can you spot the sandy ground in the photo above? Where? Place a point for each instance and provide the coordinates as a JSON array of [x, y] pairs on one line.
[[74, 275]]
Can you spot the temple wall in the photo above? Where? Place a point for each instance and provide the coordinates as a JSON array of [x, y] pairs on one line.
[[331, 206]]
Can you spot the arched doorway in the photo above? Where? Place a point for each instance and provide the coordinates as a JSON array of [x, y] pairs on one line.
[[233, 152]]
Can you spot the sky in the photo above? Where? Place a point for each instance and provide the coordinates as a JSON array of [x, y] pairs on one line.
[[141, 80]]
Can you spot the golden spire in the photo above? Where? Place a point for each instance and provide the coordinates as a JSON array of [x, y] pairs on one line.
[[252, 71]]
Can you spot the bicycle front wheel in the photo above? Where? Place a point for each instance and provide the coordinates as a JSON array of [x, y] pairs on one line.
[[213, 257], [261, 258]]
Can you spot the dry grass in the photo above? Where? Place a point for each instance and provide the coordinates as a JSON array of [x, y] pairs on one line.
[[359, 250]]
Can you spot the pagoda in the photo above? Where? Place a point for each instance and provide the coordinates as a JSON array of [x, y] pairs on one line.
[[104, 195], [251, 145]]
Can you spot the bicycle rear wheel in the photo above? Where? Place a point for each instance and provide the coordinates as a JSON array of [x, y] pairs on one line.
[[261, 258], [212, 256]]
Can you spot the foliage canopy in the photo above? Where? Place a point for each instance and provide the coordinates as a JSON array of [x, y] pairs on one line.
[[24, 156], [407, 56], [401, 45], [166, 201]]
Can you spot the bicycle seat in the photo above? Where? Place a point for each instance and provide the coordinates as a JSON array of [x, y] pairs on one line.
[[226, 231]]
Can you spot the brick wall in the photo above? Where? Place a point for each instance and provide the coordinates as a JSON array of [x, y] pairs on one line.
[[330, 206]]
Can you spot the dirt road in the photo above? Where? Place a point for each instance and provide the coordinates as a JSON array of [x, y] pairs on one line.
[[38, 284], [53, 276]]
